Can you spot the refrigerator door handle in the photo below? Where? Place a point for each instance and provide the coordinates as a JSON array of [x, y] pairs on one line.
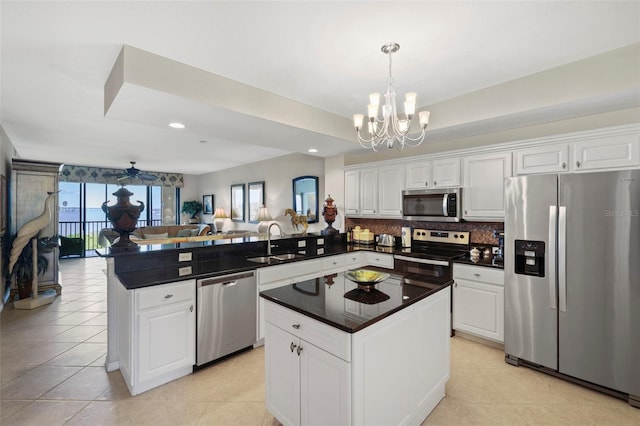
[[562, 259], [553, 222]]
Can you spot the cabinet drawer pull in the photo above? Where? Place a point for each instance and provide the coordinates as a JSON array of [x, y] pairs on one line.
[[168, 296], [292, 347], [299, 350], [476, 275], [296, 326]]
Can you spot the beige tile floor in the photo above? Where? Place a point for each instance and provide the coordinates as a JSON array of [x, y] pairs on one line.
[[51, 372]]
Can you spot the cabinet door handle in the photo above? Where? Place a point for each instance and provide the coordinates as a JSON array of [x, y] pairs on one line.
[[426, 183], [191, 308], [168, 296], [296, 326], [292, 347], [564, 165], [455, 285], [299, 350], [435, 183], [465, 212], [577, 164]]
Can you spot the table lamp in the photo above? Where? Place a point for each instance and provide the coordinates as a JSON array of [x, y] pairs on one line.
[[264, 218], [220, 215]]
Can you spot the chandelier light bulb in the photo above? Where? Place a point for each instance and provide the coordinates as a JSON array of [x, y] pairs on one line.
[[390, 130]]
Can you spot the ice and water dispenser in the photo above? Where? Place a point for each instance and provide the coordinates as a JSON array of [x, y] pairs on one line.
[[530, 257]]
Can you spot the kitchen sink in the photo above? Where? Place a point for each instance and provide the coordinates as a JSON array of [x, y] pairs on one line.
[[274, 258]]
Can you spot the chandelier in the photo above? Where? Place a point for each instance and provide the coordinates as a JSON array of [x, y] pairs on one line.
[[390, 130]]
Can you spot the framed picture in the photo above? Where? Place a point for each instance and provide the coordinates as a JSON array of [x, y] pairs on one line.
[[237, 202], [207, 204], [256, 199]]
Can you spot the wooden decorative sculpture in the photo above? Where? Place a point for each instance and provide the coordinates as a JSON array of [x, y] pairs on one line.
[[297, 220], [29, 231]]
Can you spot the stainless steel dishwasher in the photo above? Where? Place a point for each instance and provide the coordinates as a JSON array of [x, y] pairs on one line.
[[226, 320]]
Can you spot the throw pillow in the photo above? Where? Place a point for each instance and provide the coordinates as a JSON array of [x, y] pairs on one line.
[[184, 233], [156, 236]]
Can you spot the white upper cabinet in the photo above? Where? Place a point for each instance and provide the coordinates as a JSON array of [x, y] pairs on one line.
[[607, 153], [542, 159], [390, 181], [352, 192], [369, 191], [374, 192], [483, 193], [442, 173]]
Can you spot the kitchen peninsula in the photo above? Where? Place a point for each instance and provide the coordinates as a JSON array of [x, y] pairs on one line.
[[400, 344], [337, 354]]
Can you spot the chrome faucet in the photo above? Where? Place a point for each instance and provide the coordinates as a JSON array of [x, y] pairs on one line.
[[269, 236]]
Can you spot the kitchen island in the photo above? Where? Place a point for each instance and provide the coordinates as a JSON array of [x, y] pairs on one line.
[[338, 355]]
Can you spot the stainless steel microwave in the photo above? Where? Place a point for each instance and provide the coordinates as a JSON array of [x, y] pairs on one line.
[[433, 205]]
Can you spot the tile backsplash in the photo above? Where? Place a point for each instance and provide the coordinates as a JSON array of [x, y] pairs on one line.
[[481, 232]]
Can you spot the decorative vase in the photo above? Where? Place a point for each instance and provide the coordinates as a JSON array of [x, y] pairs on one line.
[[123, 217], [329, 212]]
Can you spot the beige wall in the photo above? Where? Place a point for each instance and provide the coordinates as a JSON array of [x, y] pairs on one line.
[[277, 174]]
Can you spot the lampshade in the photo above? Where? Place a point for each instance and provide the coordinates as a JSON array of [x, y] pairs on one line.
[[220, 213], [263, 214]]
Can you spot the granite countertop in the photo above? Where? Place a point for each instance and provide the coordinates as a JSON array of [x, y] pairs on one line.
[[325, 299], [488, 261]]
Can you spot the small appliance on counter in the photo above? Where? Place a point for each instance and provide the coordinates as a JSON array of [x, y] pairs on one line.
[[498, 256], [406, 237], [386, 240]]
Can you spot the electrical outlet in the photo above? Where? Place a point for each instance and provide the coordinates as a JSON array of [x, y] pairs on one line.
[[184, 257]]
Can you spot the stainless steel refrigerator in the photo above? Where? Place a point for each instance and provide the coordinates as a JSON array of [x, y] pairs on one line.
[[572, 276]]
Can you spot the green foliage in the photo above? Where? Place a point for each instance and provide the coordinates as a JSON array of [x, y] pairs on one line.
[[23, 268], [192, 207]]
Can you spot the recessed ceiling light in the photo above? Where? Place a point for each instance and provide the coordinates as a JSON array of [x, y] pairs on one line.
[[176, 125], [312, 150]]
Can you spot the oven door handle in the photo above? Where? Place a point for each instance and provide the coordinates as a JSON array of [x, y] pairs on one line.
[[420, 260]]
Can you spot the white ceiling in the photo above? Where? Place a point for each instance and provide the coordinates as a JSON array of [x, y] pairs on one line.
[[57, 56]]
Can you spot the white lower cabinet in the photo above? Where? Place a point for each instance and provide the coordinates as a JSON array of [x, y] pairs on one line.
[[305, 384], [382, 260], [157, 334], [478, 301], [391, 372]]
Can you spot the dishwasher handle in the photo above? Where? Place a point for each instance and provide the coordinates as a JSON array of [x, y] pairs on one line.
[[227, 280]]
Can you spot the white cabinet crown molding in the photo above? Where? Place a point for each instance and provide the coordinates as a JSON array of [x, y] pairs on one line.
[[627, 129]]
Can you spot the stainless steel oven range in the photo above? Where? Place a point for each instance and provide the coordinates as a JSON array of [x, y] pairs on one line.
[[429, 261], [431, 254]]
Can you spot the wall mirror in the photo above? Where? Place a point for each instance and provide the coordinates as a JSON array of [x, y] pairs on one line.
[[305, 197], [237, 202], [256, 199]]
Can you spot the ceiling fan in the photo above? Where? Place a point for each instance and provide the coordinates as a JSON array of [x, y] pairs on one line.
[[131, 173]]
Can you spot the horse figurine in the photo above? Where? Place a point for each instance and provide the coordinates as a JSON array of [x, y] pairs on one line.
[[296, 219]]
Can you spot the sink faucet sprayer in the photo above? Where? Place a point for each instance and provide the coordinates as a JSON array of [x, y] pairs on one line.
[[269, 236]]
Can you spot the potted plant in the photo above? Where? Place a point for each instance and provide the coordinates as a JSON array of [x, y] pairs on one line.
[[23, 268], [192, 208]]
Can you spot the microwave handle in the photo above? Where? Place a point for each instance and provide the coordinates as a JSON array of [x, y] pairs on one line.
[[445, 203]]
